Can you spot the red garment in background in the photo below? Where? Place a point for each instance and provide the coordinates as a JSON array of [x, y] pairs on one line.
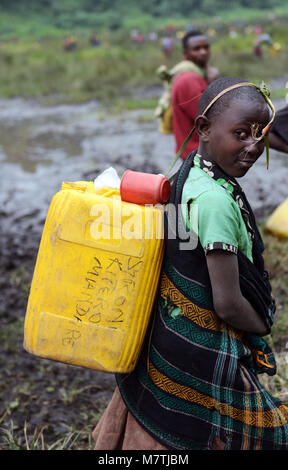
[[186, 92]]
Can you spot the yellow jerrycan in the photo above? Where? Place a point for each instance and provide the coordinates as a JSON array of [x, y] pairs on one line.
[[95, 279], [278, 221]]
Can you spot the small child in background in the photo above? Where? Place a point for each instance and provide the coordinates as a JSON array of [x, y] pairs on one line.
[[195, 386]]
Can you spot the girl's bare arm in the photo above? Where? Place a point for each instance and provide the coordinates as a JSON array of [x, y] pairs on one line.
[[229, 303]]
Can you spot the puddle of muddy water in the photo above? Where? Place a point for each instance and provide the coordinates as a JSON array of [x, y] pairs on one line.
[[42, 147]]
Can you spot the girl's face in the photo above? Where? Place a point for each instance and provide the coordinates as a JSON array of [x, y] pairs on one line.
[[228, 137]]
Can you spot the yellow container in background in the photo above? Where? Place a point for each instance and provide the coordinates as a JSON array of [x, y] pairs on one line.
[[95, 279], [278, 221]]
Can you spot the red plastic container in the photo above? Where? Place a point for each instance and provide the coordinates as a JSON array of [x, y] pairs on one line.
[[144, 188]]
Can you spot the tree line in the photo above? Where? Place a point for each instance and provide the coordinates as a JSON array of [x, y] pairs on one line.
[[65, 13], [152, 7]]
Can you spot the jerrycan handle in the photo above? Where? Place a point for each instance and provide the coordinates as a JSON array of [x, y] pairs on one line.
[[111, 192]]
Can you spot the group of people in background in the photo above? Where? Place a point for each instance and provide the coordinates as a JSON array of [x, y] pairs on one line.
[[70, 42], [168, 38], [172, 35]]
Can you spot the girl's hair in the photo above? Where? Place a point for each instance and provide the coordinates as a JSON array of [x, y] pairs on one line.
[[217, 86]]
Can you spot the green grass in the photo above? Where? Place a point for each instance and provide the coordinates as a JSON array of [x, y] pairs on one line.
[[42, 69], [32, 69], [34, 439]]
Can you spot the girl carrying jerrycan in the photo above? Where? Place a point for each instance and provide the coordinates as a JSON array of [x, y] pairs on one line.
[[195, 386]]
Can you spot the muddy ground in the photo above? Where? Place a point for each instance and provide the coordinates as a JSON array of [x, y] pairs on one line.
[[40, 147]]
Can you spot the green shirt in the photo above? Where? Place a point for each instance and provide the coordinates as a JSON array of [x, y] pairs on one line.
[[214, 214]]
